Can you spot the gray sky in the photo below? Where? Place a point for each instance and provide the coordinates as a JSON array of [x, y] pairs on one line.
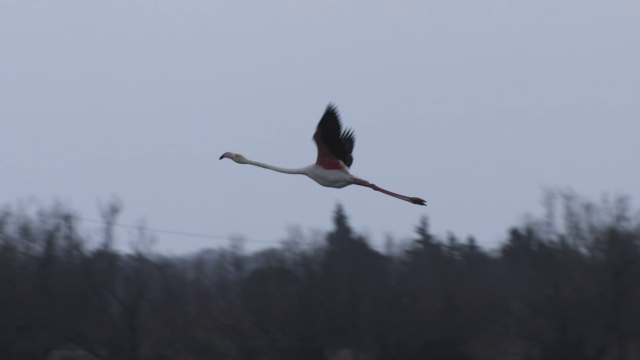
[[475, 106]]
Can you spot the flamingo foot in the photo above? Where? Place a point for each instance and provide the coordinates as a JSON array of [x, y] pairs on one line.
[[418, 201]]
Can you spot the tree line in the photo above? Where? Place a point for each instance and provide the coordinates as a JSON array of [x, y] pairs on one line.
[[564, 285]]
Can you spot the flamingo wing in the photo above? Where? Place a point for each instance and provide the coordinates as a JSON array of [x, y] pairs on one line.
[[333, 142]]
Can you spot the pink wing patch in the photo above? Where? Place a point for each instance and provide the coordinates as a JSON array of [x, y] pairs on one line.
[[331, 163]]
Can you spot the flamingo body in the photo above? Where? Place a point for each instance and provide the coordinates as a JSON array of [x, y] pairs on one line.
[[335, 147], [333, 178]]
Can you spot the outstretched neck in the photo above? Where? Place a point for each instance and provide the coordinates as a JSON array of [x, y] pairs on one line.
[[276, 168]]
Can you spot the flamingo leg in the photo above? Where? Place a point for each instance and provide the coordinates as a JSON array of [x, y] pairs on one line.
[[413, 200]]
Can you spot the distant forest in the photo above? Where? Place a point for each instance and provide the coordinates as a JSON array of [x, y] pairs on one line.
[[564, 285]]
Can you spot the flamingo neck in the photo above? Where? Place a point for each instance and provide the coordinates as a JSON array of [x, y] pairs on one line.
[[301, 171]]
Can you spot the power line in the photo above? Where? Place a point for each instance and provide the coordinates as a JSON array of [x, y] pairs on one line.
[[173, 232], [159, 231]]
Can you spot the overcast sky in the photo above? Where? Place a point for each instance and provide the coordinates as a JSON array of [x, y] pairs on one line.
[[475, 106]]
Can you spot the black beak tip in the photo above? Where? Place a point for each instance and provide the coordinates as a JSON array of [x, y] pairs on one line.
[[222, 156]]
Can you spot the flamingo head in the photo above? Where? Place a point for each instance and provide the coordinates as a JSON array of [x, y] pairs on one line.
[[235, 157]]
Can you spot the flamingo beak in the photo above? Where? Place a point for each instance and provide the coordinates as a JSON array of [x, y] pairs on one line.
[[222, 157]]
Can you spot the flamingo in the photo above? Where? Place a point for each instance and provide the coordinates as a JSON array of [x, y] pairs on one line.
[[334, 158]]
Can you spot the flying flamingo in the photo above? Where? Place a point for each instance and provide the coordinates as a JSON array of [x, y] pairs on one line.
[[334, 158]]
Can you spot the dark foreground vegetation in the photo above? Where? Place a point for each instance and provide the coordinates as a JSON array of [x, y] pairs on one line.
[[562, 286]]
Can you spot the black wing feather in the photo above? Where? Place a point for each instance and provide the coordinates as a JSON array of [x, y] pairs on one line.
[[339, 142]]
